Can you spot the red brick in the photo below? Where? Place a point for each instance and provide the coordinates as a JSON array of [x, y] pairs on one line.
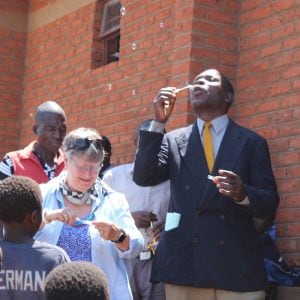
[[255, 43], [290, 201], [293, 230], [270, 50], [287, 245]]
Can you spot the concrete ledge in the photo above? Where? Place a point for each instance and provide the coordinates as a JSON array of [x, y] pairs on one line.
[[288, 293], [54, 11]]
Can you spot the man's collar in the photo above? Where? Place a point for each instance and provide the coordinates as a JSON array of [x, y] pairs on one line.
[[218, 123]]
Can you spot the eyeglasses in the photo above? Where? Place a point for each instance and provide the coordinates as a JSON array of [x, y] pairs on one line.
[[92, 169], [82, 144]]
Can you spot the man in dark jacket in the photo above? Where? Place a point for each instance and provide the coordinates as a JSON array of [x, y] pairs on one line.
[[221, 177]]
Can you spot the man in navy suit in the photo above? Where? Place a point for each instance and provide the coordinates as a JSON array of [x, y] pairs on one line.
[[210, 249]]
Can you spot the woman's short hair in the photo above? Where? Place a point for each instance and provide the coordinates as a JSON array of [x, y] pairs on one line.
[[76, 280], [84, 142]]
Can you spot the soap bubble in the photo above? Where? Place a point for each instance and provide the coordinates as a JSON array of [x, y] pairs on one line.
[[133, 46], [161, 25], [109, 86], [133, 92], [123, 11]]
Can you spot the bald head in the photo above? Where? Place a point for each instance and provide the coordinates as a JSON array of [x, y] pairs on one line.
[[48, 107], [49, 128]]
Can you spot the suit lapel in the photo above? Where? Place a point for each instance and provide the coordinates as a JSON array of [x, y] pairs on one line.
[[192, 153], [228, 154], [230, 148]]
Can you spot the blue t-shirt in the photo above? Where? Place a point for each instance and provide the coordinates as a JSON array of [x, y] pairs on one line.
[[25, 267]]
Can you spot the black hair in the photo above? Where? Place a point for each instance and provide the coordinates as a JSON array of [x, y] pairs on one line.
[[19, 195], [106, 144], [76, 280], [227, 85]]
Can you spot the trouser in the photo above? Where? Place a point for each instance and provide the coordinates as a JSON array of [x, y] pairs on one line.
[[139, 272], [176, 292]]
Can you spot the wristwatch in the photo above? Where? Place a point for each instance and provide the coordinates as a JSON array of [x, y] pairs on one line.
[[121, 238]]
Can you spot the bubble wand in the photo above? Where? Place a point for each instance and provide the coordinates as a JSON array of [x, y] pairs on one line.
[[167, 103]]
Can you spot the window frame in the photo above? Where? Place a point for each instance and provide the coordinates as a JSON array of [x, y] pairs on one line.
[[105, 19]]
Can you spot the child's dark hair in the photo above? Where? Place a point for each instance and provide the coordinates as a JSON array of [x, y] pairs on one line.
[[19, 195], [76, 280]]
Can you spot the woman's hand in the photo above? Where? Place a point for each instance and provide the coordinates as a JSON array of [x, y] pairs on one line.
[[107, 230], [111, 232], [64, 215]]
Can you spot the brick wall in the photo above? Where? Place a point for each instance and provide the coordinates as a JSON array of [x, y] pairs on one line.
[[12, 45], [256, 43], [268, 100]]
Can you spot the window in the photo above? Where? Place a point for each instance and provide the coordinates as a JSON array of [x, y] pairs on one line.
[[111, 18], [112, 47], [106, 44]]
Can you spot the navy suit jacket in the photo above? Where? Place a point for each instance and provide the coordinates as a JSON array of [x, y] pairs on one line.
[[216, 244]]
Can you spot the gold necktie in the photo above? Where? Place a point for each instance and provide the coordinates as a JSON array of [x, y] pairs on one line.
[[208, 145]]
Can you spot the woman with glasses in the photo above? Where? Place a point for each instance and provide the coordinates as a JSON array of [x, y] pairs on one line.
[[90, 221]]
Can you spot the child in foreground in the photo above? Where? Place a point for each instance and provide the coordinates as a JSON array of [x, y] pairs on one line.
[[26, 262], [80, 280]]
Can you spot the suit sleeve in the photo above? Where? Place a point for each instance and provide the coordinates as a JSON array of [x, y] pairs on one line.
[[151, 161], [261, 188]]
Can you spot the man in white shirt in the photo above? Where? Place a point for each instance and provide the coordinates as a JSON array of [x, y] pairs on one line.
[[148, 206]]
